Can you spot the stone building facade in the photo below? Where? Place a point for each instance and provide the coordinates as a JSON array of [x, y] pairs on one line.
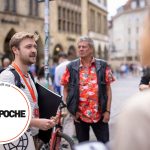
[[65, 26], [15, 16], [125, 30], [69, 19], [97, 26]]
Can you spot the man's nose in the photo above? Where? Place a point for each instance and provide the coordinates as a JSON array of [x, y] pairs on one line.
[[81, 47], [34, 49]]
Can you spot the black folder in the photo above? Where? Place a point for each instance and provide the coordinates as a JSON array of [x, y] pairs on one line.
[[48, 102]]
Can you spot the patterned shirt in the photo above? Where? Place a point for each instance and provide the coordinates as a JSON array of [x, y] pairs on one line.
[[88, 109]]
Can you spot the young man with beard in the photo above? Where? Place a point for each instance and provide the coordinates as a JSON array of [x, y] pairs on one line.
[[24, 49]]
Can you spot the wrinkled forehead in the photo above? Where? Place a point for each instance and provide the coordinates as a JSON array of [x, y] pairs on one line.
[[87, 41], [83, 43]]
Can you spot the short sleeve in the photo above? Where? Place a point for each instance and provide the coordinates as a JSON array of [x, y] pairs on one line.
[[65, 77], [109, 76], [7, 76]]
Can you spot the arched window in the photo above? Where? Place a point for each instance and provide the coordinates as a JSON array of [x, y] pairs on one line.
[[7, 50]]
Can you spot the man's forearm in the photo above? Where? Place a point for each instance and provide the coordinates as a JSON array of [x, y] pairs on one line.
[[65, 92], [109, 98], [34, 122]]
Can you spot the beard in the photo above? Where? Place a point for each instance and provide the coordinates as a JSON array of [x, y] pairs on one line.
[[29, 60]]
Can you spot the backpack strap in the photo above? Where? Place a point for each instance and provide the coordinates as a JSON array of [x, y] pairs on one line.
[[1, 70], [18, 82], [31, 76], [17, 78]]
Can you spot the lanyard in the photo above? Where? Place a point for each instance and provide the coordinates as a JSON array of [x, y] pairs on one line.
[[27, 84]]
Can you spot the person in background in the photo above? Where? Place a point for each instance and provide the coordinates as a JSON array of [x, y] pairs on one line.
[[145, 79], [41, 79], [34, 70], [132, 130], [5, 63], [59, 71], [68, 126], [52, 68], [87, 92]]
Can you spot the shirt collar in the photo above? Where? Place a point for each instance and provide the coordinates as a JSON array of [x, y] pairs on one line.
[[92, 62]]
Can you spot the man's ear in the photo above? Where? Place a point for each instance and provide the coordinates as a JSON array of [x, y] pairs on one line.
[[15, 50]]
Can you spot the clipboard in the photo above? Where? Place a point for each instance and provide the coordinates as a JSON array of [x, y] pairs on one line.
[[48, 102]]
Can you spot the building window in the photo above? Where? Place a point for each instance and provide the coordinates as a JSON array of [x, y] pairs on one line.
[[59, 19], [133, 5], [142, 4], [69, 20], [10, 5], [64, 19], [79, 23], [105, 25], [129, 46], [76, 24], [92, 21], [33, 8], [129, 31], [105, 3], [99, 23], [137, 45], [79, 2], [74, 2]]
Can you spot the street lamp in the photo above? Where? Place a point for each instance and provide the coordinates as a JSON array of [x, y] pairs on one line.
[[47, 39]]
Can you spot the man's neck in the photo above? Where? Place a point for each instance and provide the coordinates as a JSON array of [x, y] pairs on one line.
[[86, 61], [22, 67]]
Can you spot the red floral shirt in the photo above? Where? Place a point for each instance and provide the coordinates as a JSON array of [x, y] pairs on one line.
[[88, 109]]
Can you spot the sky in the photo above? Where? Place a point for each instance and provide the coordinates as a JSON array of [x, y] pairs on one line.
[[113, 5]]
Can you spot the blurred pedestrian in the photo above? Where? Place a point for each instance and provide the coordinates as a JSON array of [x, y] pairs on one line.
[[132, 128], [59, 71], [87, 92], [5, 63], [68, 126], [34, 70], [145, 79], [42, 80]]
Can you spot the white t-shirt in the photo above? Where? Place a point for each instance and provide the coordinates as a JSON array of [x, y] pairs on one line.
[[59, 71]]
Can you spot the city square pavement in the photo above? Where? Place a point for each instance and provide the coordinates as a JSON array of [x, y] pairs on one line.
[[122, 89]]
